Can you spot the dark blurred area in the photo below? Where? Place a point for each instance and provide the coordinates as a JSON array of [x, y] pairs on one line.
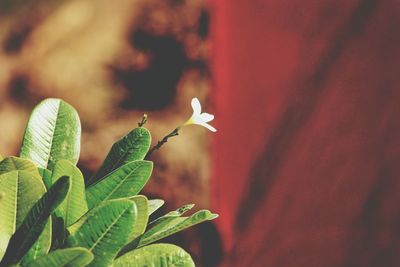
[[304, 167]]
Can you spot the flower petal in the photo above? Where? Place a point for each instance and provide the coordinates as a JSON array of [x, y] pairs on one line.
[[209, 127], [196, 106], [197, 119], [206, 117]]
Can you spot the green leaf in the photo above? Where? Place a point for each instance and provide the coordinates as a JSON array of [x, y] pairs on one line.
[[131, 147], [142, 217], [157, 255], [35, 221], [69, 257], [125, 181], [171, 225], [53, 133], [14, 164], [104, 230], [19, 190], [46, 177], [74, 205], [155, 204], [140, 225]]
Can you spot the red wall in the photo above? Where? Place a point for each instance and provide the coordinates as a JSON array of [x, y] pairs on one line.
[[307, 154]]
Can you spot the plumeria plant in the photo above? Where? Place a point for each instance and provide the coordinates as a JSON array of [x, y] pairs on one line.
[[50, 217]]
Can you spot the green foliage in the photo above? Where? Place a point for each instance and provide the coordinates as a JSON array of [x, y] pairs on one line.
[[48, 217], [157, 255]]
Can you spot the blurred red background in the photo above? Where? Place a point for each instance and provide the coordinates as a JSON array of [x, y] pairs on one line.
[[306, 157]]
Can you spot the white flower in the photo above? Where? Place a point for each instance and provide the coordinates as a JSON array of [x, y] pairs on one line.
[[200, 118]]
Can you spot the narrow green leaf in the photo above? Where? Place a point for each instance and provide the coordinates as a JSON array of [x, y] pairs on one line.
[[104, 230], [125, 181], [155, 204], [167, 221], [58, 233], [15, 164], [69, 257], [157, 255], [175, 213], [35, 221], [74, 205], [19, 190], [53, 133], [173, 225], [41, 246], [159, 225], [131, 147]]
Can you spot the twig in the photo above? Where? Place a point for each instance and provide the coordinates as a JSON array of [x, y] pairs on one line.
[[163, 141]]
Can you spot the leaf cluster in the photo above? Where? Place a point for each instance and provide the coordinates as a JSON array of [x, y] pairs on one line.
[[49, 217]]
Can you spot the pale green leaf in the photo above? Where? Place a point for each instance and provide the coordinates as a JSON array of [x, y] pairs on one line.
[[53, 132], [155, 204], [19, 190], [15, 164]]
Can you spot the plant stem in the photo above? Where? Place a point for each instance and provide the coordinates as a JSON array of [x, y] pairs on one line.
[[163, 141]]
